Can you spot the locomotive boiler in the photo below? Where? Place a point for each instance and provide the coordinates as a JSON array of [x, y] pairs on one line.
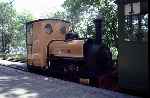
[[52, 47]]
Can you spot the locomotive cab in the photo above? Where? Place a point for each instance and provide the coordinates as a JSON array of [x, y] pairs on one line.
[[39, 34]]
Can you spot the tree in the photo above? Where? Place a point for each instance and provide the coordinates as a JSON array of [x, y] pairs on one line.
[[7, 27], [18, 44], [12, 28], [19, 38]]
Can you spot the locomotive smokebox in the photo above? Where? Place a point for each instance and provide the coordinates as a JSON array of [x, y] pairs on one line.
[[99, 28]]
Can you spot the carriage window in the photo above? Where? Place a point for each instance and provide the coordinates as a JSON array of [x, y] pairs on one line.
[[29, 28], [48, 28], [63, 29]]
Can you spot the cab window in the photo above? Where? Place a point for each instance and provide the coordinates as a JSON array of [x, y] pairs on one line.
[[48, 28]]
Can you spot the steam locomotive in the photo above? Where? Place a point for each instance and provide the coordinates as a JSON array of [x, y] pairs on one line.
[[53, 48]]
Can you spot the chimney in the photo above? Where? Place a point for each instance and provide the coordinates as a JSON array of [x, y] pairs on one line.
[[99, 28]]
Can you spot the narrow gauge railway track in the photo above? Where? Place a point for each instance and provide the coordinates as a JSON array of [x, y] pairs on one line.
[[24, 68], [14, 67]]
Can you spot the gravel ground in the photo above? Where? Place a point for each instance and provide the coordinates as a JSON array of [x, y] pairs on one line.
[[19, 84]]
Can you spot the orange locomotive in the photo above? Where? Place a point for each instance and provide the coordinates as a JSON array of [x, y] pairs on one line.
[[52, 47]]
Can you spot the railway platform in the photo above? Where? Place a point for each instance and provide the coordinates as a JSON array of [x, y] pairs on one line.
[[20, 84]]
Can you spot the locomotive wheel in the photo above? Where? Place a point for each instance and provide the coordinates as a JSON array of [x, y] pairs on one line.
[[71, 72], [64, 70], [56, 69]]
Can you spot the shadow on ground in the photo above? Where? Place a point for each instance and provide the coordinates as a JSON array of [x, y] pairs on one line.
[[19, 84]]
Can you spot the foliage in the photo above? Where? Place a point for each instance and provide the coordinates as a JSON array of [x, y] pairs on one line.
[[19, 39], [7, 26], [114, 52], [12, 28], [58, 15], [82, 12], [18, 44]]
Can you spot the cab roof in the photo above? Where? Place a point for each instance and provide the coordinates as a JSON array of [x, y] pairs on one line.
[[47, 19]]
